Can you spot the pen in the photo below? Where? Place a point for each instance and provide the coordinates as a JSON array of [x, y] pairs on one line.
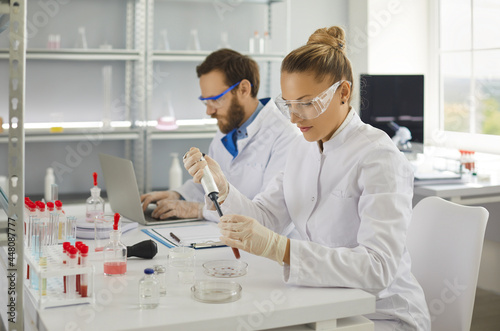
[[175, 237]]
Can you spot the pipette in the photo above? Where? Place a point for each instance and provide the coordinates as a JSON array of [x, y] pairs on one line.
[[208, 183]]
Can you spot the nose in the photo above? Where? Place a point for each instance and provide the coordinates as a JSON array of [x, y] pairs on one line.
[[210, 110], [294, 118]]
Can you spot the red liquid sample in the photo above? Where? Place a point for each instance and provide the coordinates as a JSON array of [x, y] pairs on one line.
[[99, 249], [115, 268], [84, 289], [236, 252]]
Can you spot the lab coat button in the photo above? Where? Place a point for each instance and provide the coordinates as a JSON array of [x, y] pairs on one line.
[[312, 199]]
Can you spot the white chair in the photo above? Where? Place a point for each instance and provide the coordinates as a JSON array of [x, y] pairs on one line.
[[445, 241]]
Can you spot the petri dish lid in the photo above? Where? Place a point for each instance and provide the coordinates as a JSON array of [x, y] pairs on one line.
[[216, 291], [225, 268]]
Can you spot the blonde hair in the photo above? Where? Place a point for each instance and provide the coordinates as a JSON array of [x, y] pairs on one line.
[[324, 55]]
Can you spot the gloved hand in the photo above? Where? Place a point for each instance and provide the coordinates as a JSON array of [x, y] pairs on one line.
[[246, 233], [178, 208], [194, 165], [151, 197]]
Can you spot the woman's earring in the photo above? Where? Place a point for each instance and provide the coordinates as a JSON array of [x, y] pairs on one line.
[[343, 102]]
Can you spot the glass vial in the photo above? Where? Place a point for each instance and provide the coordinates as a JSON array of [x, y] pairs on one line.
[[81, 42], [194, 41], [164, 45], [175, 173], [149, 294], [49, 180], [161, 278]]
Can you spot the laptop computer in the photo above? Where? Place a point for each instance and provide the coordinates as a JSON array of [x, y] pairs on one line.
[[123, 193]]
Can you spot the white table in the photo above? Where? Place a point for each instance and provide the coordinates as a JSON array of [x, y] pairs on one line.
[[266, 302], [465, 194]]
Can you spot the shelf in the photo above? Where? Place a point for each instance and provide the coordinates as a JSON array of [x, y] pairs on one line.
[[90, 134], [199, 56], [262, 2], [78, 54]]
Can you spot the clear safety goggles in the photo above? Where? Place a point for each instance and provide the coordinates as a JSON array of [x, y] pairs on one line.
[[218, 100], [311, 109]]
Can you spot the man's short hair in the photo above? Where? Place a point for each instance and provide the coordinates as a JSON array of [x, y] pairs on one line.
[[234, 66]]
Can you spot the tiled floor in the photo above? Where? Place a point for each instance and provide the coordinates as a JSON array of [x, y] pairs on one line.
[[486, 316]]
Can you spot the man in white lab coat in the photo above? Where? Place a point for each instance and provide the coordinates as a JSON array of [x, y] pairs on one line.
[[251, 144]]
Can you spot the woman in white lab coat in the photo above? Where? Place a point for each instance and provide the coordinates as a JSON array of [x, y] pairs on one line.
[[346, 188]]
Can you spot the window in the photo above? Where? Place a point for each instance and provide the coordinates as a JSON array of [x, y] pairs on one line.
[[469, 72]]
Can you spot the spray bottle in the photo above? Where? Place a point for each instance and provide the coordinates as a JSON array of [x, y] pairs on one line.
[[95, 204]]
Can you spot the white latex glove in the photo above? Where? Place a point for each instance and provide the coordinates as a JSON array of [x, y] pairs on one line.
[[152, 197], [246, 233], [194, 165], [178, 208]]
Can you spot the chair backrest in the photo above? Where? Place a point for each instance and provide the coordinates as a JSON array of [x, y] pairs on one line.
[[445, 241]]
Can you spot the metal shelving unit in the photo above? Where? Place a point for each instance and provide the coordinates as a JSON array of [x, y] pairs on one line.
[[71, 54], [153, 56]]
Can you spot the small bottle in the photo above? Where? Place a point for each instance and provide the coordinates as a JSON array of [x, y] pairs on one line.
[[149, 294], [267, 42], [61, 231], [95, 204], [175, 173], [194, 41], [224, 40], [49, 180], [252, 42], [115, 253], [161, 277], [81, 42], [164, 45], [261, 45]]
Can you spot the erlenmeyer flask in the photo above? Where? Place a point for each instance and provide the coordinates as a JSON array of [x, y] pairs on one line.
[[167, 121]]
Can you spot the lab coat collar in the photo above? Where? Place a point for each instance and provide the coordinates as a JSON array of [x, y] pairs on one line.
[[350, 124], [258, 122]]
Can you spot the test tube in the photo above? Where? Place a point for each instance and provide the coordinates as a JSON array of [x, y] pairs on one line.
[[66, 245], [71, 280], [71, 229], [43, 281], [84, 251], [78, 246]]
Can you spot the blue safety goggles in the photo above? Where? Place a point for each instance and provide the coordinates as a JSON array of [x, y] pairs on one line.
[[215, 101]]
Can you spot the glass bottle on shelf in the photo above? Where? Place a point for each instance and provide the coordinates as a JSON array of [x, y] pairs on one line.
[[95, 204], [81, 41], [224, 40], [194, 41], [164, 45], [175, 173], [149, 290], [115, 253]]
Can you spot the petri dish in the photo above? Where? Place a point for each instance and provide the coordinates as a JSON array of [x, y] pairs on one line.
[[216, 291], [225, 268]]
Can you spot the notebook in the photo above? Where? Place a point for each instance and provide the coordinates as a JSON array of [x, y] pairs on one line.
[[123, 192]]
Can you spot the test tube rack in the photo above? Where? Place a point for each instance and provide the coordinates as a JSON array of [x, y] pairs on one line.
[[54, 273]]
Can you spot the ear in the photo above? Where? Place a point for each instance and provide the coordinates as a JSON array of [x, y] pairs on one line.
[[345, 91], [245, 88]]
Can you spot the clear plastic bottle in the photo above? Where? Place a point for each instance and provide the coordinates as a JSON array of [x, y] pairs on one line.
[[49, 180], [161, 277], [252, 43], [267, 43], [224, 40], [149, 291], [115, 253], [81, 41], [194, 41], [175, 172], [95, 204]]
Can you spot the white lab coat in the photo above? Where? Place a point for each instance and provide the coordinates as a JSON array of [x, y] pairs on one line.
[[260, 156], [351, 206]]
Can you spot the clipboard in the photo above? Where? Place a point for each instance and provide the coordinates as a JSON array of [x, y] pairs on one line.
[[198, 236]]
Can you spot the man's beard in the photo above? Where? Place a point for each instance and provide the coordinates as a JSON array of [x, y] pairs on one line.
[[233, 119]]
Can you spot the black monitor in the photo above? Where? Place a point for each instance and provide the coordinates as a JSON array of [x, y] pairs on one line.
[[393, 98]]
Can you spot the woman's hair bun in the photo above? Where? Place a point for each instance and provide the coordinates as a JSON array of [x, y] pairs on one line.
[[333, 36]]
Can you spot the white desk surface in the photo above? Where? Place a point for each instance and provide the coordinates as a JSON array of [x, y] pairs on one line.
[[266, 302], [467, 193]]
